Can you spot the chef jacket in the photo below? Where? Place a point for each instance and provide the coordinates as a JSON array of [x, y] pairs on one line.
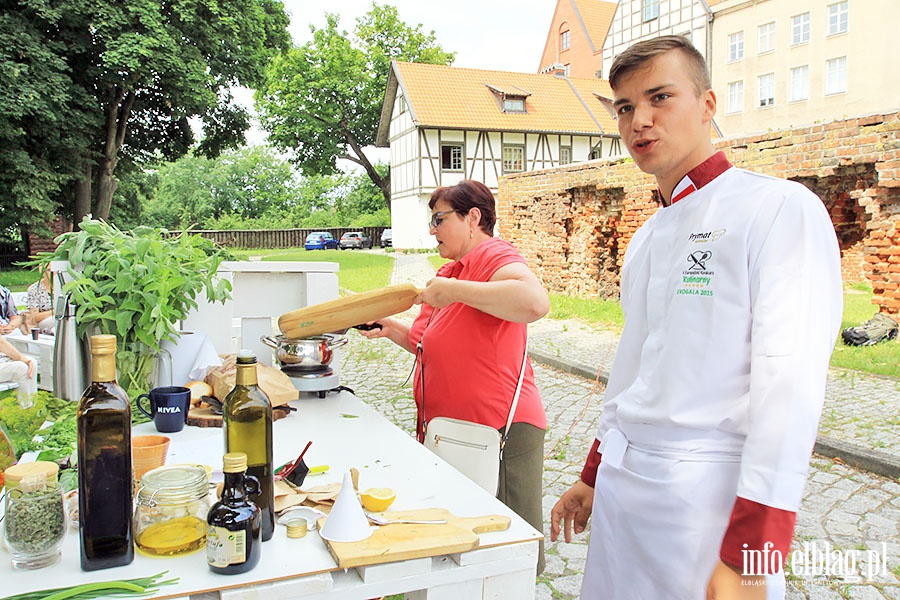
[[732, 298]]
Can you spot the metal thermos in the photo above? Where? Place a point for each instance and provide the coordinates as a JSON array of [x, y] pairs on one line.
[[71, 371]]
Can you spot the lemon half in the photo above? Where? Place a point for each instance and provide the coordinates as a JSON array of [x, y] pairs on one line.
[[377, 499]]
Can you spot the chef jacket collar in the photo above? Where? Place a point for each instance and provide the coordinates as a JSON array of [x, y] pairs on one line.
[[699, 176]]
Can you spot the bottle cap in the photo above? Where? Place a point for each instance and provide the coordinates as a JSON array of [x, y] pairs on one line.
[[103, 344], [296, 528], [16, 473], [246, 357], [234, 462]]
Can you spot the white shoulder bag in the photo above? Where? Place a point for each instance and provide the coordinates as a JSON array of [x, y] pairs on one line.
[[473, 449]]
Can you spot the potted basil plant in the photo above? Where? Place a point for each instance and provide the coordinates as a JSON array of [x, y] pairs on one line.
[[137, 285]]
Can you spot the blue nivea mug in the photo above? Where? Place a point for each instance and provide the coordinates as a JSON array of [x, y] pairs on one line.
[[169, 407]]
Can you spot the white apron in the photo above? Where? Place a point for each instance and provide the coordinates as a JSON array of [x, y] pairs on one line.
[[657, 521]]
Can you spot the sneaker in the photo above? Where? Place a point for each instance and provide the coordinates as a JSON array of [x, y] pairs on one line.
[[880, 327]]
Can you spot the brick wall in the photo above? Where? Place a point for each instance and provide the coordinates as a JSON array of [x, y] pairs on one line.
[[40, 244], [573, 223]]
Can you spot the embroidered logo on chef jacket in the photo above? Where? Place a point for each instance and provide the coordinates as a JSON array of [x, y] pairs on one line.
[[706, 236], [697, 278]]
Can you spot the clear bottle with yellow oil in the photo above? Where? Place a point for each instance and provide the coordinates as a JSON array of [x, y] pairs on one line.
[[170, 512]]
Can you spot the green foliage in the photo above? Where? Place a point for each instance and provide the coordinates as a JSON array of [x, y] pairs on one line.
[[607, 313], [59, 440], [18, 279], [22, 423], [137, 285], [322, 102], [882, 358]]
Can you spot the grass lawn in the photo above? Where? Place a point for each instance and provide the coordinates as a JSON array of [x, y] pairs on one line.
[[18, 279]]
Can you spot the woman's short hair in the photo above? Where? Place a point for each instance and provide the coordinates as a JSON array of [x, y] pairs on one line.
[[634, 57], [466, 195]]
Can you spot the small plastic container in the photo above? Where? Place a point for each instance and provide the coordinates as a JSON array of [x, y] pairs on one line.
[[170, 510]]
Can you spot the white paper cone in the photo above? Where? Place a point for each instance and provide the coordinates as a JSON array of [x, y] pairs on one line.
[[347, 522]]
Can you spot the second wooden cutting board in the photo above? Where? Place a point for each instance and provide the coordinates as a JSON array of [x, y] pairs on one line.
[[341, 313], [402, 541]]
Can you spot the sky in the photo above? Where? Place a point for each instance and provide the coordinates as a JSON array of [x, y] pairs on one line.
[[485, 34]]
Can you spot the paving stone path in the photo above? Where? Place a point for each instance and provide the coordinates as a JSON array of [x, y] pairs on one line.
[[849, 512]]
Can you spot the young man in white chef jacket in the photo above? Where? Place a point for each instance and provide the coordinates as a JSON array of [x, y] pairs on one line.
[[732, 300]]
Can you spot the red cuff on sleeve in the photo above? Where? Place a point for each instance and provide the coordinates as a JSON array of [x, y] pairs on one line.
[[589, 472], [763, 530]]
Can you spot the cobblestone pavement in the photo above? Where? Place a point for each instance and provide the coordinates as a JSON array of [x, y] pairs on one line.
[[849, 512]]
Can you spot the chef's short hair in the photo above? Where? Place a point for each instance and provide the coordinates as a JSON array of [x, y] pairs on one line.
[[466, 195], [643, 52]]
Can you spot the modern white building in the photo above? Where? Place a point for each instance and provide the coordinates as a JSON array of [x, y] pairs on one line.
[[445, 124]]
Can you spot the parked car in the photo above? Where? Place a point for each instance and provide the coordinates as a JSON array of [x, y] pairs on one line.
[[355, 239], [320, 240], [387, 237]]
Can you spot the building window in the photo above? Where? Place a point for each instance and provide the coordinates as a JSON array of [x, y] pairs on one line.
[[766, 86], [838, 18], [451, 157], [650, 10], [836, 75], [402, 101], [800, 83], [765, 39], [800, 29], [515, 104], [735, 97], [736, 46], [565, 155], [565, 38], [513, 159], [568, 69], [597, 151]]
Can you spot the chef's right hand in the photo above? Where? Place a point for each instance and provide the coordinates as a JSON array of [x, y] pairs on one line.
[[573, 509]]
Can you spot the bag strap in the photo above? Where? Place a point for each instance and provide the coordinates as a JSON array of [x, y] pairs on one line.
[[515, 402]]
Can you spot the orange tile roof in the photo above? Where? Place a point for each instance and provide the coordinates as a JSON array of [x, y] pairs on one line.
[[450, 97], [597, 15]]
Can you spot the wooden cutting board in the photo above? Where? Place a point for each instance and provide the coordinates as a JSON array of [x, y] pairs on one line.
[[341, 313], [402, 541]]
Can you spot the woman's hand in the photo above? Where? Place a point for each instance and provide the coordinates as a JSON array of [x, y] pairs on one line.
[[30, 362], [572, 511], [439, 292], [392, 329]]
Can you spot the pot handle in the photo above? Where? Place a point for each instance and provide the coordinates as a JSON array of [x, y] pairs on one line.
[[269, 341], [338, 343]]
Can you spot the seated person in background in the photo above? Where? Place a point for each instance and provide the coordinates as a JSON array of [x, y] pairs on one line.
[[9, 315], [15, 366], [40, 304]]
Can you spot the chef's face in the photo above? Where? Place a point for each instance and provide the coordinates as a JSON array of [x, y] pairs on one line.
[[450, 229], [663, 118]]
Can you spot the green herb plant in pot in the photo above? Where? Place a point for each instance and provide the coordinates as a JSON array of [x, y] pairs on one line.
[[137, 285]]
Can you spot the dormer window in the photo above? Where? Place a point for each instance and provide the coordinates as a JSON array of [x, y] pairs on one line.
[[510, 100]]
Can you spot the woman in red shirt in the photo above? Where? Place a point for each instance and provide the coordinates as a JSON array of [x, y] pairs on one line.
[[472, 333]]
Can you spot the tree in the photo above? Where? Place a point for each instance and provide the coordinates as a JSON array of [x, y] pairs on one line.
[[322, 102], [93, 84]]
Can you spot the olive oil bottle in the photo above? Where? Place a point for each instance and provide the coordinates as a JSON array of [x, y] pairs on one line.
[[233, 543], [247, 421], [105, 483]]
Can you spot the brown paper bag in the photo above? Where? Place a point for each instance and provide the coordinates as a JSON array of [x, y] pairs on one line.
[[272, 381]]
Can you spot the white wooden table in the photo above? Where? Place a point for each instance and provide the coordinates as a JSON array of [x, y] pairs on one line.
[[345, 433]]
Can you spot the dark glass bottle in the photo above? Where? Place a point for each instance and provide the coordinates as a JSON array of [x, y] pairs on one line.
[[105, 483], [247, 421], [233, 543]]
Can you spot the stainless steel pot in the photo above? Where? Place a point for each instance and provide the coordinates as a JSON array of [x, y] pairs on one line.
[[312, 352]]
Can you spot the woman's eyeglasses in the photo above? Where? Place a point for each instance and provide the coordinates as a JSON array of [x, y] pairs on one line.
[[436, 219]]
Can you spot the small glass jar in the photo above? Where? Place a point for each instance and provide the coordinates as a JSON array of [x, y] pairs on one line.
[[170, 512], [35, 523]]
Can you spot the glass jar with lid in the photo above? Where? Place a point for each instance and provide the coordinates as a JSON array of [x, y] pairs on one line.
[[170, 511], [35, 522]]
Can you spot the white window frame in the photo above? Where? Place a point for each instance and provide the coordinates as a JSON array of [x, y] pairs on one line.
[[565, 40], [736, 46], [512, 154], [765, 37], [765, 90], [735, 102], [799, 83], [800, 29], [836, 76], [838, 18], [565, 155], [451, 165], [649, 10], [567, 69]]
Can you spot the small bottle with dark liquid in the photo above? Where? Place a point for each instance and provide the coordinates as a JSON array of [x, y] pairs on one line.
[[105, 484], [233, 542]]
